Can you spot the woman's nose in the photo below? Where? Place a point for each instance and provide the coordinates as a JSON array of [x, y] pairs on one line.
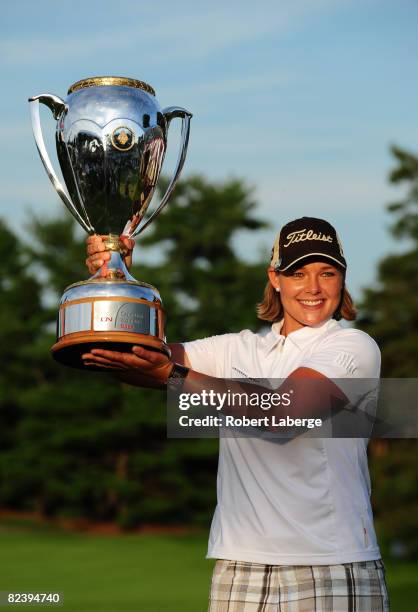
[[313, 285]]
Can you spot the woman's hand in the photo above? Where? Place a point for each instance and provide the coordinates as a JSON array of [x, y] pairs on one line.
[[141, 363], [98, 256]]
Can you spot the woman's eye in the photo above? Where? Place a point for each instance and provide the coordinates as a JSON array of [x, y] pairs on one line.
[[327, 274], [297, 274]]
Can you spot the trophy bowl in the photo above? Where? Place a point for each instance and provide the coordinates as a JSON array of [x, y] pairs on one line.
[[111, 140]]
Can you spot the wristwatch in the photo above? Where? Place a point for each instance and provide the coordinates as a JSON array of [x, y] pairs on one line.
[[176, 378]]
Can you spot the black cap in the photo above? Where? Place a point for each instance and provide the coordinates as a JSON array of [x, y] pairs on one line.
[[305, 238]]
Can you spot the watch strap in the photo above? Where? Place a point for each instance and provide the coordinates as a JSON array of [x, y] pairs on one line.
[[176, 377]]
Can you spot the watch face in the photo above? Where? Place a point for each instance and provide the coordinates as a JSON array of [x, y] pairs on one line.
[[175, 384], [178, 371]]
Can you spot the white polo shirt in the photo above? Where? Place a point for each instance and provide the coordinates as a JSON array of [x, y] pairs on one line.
[[306, 502]]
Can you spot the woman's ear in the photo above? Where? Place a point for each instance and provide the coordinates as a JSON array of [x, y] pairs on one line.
[[274, 278]]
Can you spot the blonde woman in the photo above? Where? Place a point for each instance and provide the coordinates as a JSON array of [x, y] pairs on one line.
[[293, 527]]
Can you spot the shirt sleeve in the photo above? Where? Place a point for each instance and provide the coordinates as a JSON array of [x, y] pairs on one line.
[[349, 354], [208, 355], [351, 359]]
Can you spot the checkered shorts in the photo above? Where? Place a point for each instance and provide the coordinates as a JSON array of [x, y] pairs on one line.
[[252, 587]]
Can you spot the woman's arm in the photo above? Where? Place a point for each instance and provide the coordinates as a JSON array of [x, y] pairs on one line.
[[151, 373], [179, 355], [312, 392]]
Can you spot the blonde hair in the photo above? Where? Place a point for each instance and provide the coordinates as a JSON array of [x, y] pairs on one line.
[[271, 309]]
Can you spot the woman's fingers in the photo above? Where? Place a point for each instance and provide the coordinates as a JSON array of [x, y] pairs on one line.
[[96, 261], [129, 360], [106, 366], [141, 359], [95, 244], [95, 247], [149, 365], [122, 360], [98, 254], [129, 245], [90, 358], [152, 357], [128, 242]]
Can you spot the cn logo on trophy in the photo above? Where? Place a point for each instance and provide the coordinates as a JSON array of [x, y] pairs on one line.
[[111, 139]]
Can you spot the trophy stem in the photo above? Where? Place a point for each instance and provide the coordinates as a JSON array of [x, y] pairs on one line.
[[114, 269], [112, 242]]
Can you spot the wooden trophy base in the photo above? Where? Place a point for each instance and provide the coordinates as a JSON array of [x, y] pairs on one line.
[[70, 349]]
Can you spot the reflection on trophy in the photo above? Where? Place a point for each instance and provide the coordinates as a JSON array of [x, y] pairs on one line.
[[111, 140]]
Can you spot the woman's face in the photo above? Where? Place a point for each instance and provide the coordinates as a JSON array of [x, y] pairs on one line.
[[310, 294]]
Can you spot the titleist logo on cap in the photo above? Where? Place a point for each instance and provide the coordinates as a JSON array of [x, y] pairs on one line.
[[302, 235]]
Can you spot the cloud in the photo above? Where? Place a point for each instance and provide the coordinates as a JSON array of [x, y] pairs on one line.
[[192, 32], [335, 191], [232, 84], [230, 138]]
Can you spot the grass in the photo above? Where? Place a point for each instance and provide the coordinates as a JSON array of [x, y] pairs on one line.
[[146, 573], [141, 573], [402, 579]]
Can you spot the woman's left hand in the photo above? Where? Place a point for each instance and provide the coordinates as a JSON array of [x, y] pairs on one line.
[[155, 367]]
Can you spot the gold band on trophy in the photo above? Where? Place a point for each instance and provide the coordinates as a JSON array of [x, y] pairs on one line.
[[112, 81]]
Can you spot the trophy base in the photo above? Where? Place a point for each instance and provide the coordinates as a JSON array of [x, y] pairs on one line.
[[108, 314], [68, 350]]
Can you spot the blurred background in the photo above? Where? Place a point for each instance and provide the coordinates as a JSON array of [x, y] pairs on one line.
[[300, 108]]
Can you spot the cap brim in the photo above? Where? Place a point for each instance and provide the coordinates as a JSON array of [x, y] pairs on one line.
[[326, 256]]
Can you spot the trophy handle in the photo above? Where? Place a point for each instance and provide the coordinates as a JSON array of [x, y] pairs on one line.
[[172, 112], [57, 106]]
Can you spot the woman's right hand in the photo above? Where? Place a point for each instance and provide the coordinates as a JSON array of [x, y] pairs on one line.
[[98, 255]]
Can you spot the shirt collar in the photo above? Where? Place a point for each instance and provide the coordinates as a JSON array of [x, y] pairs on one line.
[[299, 338]]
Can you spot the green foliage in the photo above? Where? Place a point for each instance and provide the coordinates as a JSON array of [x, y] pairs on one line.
[[206, 288], [76, 443], [390, 316], [395, 497], [390, 309]]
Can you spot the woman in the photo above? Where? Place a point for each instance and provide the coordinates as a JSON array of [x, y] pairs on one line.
[[293, 528]]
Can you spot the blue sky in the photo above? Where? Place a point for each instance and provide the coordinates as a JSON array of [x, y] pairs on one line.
[[301, 98]]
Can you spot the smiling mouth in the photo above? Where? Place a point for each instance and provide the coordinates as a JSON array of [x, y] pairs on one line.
[[312, 302]]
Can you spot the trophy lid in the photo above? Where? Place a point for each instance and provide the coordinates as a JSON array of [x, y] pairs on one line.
[[111, 80]]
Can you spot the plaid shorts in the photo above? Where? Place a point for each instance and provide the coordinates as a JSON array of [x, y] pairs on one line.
[[238, 586]]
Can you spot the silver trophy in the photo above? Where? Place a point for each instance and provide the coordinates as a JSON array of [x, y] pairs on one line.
[[111, 139]]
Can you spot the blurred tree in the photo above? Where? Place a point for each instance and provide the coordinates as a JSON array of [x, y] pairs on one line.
[[207, 288], [390, 315], [79, 443], [21, 318], [390, 310], [54, 426]]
